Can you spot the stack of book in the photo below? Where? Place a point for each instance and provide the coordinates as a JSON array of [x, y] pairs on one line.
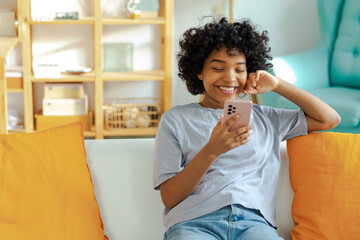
[[64, 99], [64, 103]]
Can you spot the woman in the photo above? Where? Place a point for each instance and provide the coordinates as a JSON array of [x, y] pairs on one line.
[[217, 184]]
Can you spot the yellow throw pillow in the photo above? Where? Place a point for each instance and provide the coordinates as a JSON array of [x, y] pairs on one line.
[[46, 191], [325, 176]]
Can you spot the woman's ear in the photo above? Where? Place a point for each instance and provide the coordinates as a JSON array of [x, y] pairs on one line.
[[200, 76]]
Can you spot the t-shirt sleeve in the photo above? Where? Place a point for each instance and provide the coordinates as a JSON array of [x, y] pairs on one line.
[[287, 123], [167, 154]]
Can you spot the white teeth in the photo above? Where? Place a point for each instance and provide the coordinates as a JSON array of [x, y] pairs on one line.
[[227, 88]]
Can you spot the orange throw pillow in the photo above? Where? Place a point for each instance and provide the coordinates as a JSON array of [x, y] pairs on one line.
[[325, 176], [46, 191]]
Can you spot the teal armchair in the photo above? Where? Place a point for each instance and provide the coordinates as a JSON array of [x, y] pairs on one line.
[[331, 70]]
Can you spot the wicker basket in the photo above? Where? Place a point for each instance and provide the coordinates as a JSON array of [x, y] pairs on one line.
[[131, 113]]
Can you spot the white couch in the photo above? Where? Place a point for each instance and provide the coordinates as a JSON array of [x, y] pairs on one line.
[[121, 171]]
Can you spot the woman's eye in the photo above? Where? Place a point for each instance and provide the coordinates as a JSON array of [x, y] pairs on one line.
[[218, 69], [240, 71]]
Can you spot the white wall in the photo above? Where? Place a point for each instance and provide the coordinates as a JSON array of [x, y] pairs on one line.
[[292, 27], [292, 24]]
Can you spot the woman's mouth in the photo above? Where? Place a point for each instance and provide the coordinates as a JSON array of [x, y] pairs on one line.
[[227, 89]]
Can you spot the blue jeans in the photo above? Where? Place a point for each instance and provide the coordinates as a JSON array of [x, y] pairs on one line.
[[230, 222]]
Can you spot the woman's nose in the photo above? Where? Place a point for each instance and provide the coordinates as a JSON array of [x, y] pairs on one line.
[[230, 76]]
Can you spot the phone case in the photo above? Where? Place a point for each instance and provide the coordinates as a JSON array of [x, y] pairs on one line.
[[243, 107]]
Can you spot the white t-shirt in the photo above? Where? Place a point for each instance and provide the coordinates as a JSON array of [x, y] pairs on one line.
[[246, 175]]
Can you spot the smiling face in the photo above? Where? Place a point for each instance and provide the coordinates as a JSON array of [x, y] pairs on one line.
[[224, 76]]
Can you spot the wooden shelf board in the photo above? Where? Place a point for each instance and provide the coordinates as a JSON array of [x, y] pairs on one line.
[[83, 20], [89, 77], [20, 130], [153, 75], [126, 21], [15, 90], [89, 134], [131, 132]]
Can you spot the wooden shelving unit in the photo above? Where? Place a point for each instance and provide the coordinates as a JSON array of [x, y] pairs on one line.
[[6, 45], [98, 76]]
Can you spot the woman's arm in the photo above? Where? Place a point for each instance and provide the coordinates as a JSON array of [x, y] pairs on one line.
[[179, 187], [319, 115]]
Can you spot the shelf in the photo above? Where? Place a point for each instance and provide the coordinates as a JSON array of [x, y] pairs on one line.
[[88, 77], [127, 21], [15, 90], [83, 20], [152, 75], [89, 134], [131, 132], [106, 21], [21, 130]]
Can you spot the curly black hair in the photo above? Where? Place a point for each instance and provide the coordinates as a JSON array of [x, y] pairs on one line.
[[197, 44]]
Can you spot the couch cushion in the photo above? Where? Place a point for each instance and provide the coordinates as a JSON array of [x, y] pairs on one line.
[[345, 70], [324, 174], [46, 190], [122, 170], [345, 101]]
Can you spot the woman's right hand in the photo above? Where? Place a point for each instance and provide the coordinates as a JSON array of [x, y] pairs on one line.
[[180, 186], [222, 140]]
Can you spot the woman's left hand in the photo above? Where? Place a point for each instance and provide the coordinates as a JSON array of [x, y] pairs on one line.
[[260, 82]]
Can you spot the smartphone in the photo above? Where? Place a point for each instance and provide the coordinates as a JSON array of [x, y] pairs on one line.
[[243, 107]]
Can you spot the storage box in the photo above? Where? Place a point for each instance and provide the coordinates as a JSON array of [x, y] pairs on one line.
[[131, 113], [65, 106], [47, 70], [14, 77], [14, 83], [45, 122], [64, 90]]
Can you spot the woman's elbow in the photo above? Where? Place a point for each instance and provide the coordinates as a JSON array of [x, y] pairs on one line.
[[328, 122], [166, 197], [332, 121], [167, 202]]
